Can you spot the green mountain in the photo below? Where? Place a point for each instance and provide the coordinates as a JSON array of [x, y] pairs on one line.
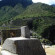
[[38, 10], [38, 17], [11, 8], [18, 11], [8, 12], [35, 10]]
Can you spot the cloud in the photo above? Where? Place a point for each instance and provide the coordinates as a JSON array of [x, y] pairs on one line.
[[45, 1], [0, 0], [52, 1]]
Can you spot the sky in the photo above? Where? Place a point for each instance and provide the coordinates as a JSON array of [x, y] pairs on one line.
[[45, 1]]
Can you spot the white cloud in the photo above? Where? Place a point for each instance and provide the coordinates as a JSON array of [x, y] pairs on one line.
[[0, 0], [45, 1]]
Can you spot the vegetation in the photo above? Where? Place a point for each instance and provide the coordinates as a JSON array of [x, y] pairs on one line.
[[8, 12], [19, 12], [38, 10], [11, 8], [37, 17]]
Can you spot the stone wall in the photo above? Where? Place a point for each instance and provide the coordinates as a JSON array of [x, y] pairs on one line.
[[23, 45], [10, 33]]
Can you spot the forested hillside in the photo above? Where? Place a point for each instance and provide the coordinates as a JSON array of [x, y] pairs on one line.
[[11, 8], [38, 10], [38, 17], [8, 12]]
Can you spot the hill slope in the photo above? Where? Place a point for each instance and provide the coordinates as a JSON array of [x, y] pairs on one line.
[[8, 12], [34, 10], [38, 10], [11, 8], [39, 16]]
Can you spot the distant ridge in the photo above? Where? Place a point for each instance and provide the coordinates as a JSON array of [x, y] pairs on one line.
[[14, 2], [53, 5], [38, 10], [8, 12]]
